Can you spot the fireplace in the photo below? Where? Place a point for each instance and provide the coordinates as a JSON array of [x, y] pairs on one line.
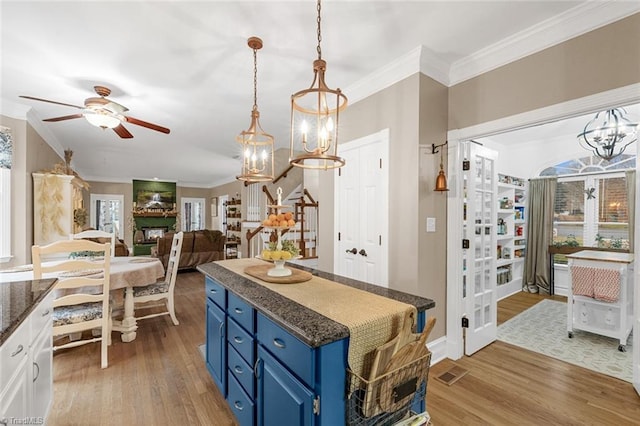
[[152, 233]]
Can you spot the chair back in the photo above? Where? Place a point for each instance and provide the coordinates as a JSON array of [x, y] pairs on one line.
[[174, 260], [92, 233], [80, 282]]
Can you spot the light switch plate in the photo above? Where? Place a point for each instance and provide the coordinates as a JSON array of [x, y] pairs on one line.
[[431, 224]]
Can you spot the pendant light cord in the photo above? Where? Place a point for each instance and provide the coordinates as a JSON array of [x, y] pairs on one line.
[[319, 33], [255, 79]]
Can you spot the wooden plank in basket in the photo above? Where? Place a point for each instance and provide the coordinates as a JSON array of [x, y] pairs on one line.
[[260, 272]]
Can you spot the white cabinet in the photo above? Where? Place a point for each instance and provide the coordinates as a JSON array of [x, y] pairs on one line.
[[55, 199], [600, 297], [26, 370], [511, 234]]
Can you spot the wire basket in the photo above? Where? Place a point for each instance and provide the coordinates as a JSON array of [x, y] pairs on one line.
[[389, 398]]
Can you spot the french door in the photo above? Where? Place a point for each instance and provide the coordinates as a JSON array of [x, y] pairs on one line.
[[479, 190], [107, 213]]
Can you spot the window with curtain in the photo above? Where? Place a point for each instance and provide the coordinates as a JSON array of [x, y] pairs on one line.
[[6, 155], [591, 206]]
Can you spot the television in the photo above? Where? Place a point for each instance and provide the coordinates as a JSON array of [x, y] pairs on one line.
[[152, 233], [148, 199]]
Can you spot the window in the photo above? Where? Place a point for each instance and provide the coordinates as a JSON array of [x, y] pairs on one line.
[[591, 203], [6, 156], [193, 214]]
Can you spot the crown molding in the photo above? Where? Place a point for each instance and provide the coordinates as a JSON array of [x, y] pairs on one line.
[[565, 26], [47, 135], [420, 59], [384, 76]]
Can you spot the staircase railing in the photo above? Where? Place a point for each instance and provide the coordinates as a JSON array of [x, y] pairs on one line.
[[305, 214]]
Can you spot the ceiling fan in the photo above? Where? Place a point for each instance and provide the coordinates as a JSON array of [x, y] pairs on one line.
[[103, 112]]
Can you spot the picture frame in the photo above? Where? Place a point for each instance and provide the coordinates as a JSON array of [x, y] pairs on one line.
[[214, 206]]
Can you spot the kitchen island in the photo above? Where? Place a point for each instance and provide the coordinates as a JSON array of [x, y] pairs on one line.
[[277, 352]]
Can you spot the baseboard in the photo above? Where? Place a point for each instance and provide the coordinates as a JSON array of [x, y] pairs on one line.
[[438, 349]]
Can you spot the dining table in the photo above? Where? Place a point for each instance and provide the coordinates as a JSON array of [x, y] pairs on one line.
[[126, 272]]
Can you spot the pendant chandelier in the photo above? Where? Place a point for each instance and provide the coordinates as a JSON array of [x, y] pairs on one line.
[[609, 133], [314, 119], [257, 145]]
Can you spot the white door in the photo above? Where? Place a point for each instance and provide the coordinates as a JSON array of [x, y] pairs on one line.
[[362, 210], [107, 213], [479, 220], [192, 214]]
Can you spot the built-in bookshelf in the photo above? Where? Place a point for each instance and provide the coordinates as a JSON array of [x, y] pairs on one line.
[[511, 234]]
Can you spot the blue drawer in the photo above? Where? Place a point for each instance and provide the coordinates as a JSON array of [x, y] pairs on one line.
[[242, 371], [240, 403], [216, 292], [290, 351], [243, 313], [242, 341]]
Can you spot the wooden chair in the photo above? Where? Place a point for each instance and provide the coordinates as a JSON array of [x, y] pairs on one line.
[[162, 290], [82, 298], [92, 233]]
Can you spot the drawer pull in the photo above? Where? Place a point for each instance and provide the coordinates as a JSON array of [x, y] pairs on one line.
[[279, 343], [45, 313], [238, 311], [220, 330], [238, 339], [238, 405], [35, 364], [213, 290], [17, 351], [238, 369]]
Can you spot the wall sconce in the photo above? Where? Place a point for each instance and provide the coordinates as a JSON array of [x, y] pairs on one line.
[[441, 180]]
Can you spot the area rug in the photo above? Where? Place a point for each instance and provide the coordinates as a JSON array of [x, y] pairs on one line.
[[543, 329]]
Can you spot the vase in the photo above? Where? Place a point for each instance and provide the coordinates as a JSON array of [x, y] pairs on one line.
[[138, 237]]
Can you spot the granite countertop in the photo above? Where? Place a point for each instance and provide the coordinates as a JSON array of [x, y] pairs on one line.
[[17, 301], [309, 326]]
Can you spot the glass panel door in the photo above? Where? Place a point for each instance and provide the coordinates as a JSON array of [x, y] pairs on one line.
[[479, 186]]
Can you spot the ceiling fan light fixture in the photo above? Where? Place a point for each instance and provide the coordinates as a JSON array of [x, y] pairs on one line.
[[256, 144], [609, 133], [315, 118], [102, 119]]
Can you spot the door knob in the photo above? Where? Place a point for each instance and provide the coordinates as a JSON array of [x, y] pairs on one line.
[[362, 252], [352, 251]]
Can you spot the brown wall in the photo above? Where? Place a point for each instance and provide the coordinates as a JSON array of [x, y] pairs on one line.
[[601, 60]]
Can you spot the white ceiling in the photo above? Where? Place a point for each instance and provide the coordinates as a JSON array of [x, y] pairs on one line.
[[186, 66]]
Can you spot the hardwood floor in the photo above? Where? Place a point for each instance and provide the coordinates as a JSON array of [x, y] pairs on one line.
[[161, 379]]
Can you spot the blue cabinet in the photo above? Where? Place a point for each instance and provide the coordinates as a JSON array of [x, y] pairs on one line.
[[216, 343], [282, 398]]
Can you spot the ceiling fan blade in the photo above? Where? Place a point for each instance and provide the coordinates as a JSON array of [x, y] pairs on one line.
[[122, 132], [147, 125], [51, 102], [65, 117]]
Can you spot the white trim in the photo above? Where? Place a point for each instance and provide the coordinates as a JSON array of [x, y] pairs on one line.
[[579, 20], [5, 215], [36, 122], [438, 349], [385, 76]]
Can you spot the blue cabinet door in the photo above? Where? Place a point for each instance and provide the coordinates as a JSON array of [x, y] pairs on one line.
[[216, 346], [282, 399]]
